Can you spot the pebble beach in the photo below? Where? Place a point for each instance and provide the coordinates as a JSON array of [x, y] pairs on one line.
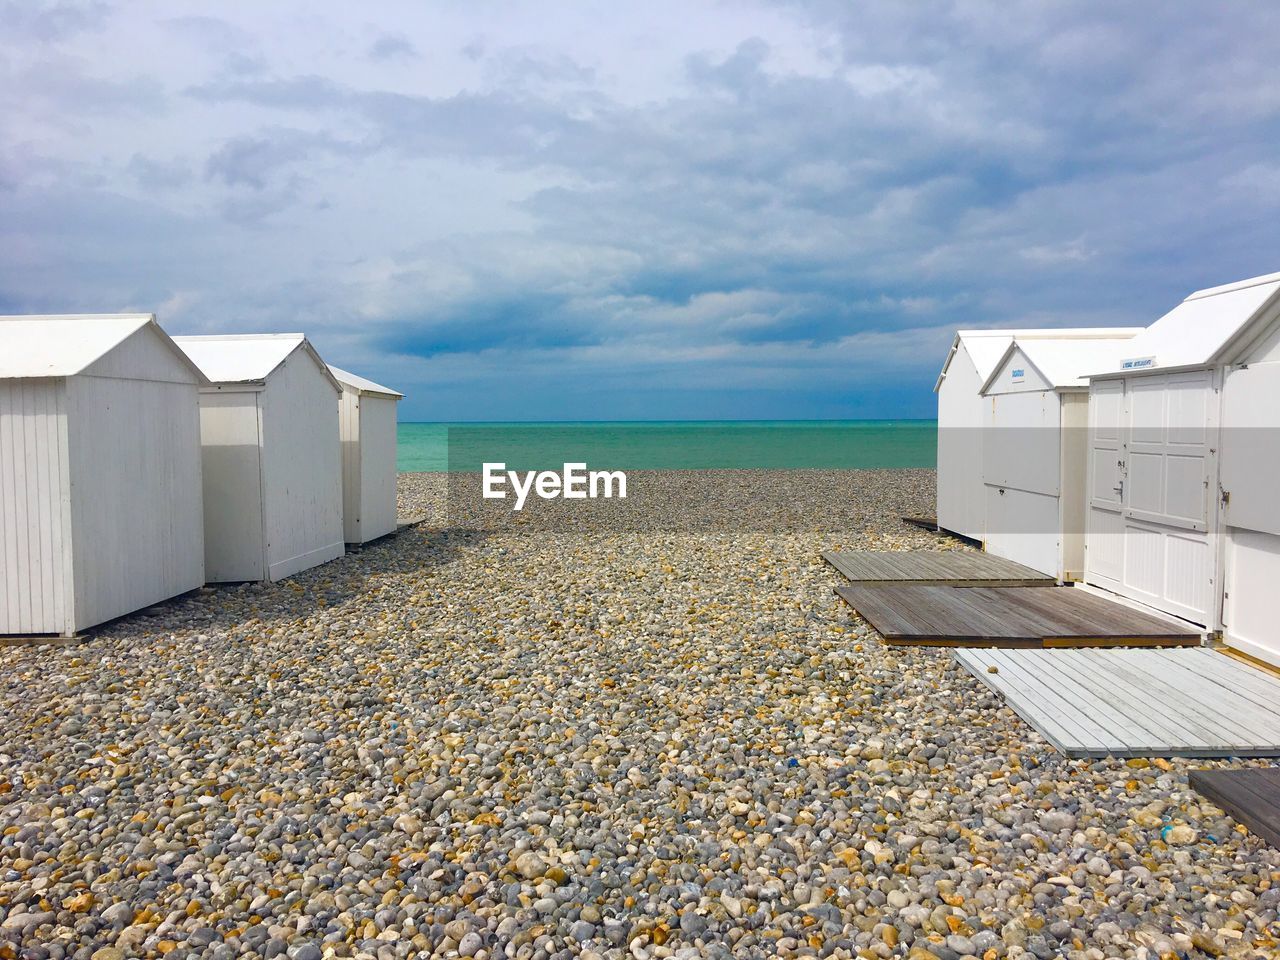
[[641, 733]]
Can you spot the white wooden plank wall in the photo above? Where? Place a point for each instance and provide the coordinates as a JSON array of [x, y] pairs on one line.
[[349, 427], [961, 497], [35, 540], [377, 467], [137, 508], [302, 468]]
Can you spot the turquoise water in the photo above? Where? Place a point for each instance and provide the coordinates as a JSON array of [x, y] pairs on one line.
[[670, 445]]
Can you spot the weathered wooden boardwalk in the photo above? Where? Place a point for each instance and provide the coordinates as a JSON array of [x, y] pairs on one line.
[[1008, 616], [1137, 703], [956, 568], [1250, 796]]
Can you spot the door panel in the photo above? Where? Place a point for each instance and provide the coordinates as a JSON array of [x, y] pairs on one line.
[[1145, 484], [1253, 570], [1104, 552], [1251, 447], [1106, 422], [1023, 527]]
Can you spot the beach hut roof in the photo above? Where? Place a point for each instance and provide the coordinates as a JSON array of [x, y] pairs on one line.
[[64, 345], [987, 347], [1063, 363], [1202, 329], [248, 358], [362, 386]]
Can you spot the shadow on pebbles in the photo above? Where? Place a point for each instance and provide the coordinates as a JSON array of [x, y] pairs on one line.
[[537, 736]]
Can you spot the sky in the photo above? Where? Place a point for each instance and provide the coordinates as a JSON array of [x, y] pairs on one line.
[[667, 210]]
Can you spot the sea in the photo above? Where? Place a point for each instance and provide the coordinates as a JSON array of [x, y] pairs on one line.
[[670, 445]]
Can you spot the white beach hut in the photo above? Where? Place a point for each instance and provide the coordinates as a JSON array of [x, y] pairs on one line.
[[271, 453], [100, 496], [367, 418], [961, 494], [1183, 460], [1035, 450]]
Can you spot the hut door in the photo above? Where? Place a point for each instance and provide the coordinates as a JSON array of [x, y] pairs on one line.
[[1250, 511], [1104, 537], [1152, 491]]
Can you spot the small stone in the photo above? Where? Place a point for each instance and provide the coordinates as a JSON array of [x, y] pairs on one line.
[[470, 944], [1055, 821], [530, 866], [1180, 835], [202, 937], [692, 924], [118, 914]]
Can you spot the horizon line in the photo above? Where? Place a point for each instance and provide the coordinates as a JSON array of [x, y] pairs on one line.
[[450, 423]]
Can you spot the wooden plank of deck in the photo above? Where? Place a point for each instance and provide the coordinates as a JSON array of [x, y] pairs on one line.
[[1106, 707], [1183, 718], [1250, 796], [965, 616], [950, 567], [1216, 672], [1137, 703], [1044, 706]]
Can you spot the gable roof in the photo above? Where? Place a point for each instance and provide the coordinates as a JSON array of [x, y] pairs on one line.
[[1202, 328], [987, 347], [362, 386], [63, 345], [248, 358], [1062, 363]]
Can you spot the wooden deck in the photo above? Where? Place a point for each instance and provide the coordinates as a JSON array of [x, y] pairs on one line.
[[955, 568], [1008, 617], [1250, 796], [1137, 703]]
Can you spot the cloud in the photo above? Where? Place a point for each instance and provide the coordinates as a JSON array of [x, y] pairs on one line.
[[255, 160], [1072, 252], [210, 33], [775, 210], [51, 22], [392, 46], [154, 175], [58, 89]]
